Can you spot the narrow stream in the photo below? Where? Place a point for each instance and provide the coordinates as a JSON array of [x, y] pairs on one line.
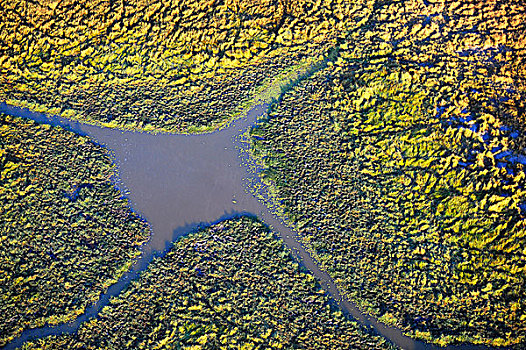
[[179, 183]]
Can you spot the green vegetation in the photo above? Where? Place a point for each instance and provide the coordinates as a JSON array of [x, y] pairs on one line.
[[66, 233], [399, 163], [232, 285], [397, 166], [181, 66]]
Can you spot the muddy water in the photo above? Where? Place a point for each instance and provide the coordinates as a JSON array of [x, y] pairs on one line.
[[179, 183]]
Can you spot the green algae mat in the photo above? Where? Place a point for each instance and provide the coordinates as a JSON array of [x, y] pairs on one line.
[[230, 286]]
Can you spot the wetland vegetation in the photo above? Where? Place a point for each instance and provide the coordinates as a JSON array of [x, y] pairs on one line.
[[232, 285], [184, 66], [402, 168], [66, 232], [401, 164]]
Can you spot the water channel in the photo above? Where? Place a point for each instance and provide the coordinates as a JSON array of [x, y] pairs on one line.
[[179, 183]]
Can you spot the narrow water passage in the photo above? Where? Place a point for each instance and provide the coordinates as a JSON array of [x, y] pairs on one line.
[[181, 182]]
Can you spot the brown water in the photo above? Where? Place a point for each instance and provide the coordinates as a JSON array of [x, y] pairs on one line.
[[179, 183]]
